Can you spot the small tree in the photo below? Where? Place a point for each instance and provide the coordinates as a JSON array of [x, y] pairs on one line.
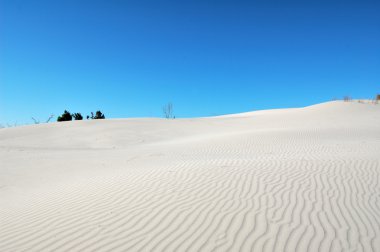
[[66, 116], [77, 116], [168, 111], [98, 115]]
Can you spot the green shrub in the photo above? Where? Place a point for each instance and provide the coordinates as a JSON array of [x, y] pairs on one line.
[[66, 116], [98, 115], [77, 116]]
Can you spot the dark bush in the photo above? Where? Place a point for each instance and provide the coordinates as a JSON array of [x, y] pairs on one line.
[[66, 116], [98, 115], [77, 116]]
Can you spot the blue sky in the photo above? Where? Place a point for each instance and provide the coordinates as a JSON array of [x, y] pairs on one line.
[[129, 58]]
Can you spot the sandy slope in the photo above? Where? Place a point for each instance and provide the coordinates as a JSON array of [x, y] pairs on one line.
[[281, 180]]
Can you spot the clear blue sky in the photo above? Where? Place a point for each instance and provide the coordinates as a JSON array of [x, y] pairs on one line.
[[129, 58]]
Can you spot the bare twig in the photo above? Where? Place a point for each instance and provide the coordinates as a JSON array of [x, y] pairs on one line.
[[168, 111], [35, 120], [50, 117], [347, 98]]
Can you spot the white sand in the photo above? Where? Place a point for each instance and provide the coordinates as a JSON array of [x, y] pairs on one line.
[[279, 180]]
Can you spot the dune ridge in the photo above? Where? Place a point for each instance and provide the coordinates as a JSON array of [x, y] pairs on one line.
[[302, 179]]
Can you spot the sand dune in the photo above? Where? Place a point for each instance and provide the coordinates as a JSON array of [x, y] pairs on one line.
[[302, 179]]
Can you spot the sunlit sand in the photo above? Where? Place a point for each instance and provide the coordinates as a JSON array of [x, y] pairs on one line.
[[304, 179]]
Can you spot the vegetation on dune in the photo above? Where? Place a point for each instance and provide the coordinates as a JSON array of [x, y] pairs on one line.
[[168, 111], [66, 116], [36, 121], [77, 116], [98, 115], [347, 98]]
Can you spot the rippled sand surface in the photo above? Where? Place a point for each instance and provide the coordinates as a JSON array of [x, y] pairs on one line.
[[302, 179]]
